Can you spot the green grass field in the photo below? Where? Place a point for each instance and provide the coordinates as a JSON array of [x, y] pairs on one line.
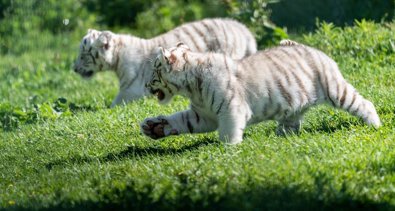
[[61, 147]]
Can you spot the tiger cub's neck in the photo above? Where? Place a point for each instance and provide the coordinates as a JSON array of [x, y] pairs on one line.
[[199, 70], [131, 54]]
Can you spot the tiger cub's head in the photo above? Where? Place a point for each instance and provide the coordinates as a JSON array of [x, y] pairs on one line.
[[96, 53], [168, 63]]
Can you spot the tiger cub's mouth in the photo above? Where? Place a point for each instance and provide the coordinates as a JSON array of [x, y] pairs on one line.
[[159, 94]]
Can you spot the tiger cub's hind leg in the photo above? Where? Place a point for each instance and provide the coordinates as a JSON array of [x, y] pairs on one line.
[[290, 125]]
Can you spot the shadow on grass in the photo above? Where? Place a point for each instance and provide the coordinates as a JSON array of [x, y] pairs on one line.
[[256, 198], [12, 118], [330, 126], [131, 151], [83, 108]]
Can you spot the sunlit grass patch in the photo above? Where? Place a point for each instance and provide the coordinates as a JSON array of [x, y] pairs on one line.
[[62, 147]]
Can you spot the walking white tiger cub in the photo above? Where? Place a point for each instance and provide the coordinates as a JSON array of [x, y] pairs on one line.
[[279, 84], [130, 57]]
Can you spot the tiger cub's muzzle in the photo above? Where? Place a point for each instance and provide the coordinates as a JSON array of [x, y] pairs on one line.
[[155, 91]]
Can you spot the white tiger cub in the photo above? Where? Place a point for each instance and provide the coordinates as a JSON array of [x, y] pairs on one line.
[[279, 84], [130, 57]]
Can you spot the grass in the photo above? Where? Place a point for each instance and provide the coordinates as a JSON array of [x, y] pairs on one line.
[[74, 153]]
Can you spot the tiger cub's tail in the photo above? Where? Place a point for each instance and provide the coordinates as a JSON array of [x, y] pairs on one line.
[[351, 101]]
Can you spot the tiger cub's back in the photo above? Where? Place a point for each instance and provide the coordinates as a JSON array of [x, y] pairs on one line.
[[220, 35]]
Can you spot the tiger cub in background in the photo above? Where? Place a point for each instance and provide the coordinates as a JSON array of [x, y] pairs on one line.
[[130, 57], [279, 84]]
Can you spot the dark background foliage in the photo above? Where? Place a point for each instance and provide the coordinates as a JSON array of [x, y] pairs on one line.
[[302, 14], [268, 19]]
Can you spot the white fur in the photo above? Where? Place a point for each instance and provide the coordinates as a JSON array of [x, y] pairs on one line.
[[277, 84]]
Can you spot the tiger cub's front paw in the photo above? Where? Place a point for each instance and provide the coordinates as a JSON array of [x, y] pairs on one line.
[[157, 127]]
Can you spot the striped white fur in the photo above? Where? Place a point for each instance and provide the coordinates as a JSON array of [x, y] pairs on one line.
[[276, 84], [130, 57]]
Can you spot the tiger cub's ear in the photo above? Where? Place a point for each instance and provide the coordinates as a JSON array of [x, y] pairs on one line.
[[104, 40], [182, 45], [167, 56], [287, 42], [90, 31], [93, 34]]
